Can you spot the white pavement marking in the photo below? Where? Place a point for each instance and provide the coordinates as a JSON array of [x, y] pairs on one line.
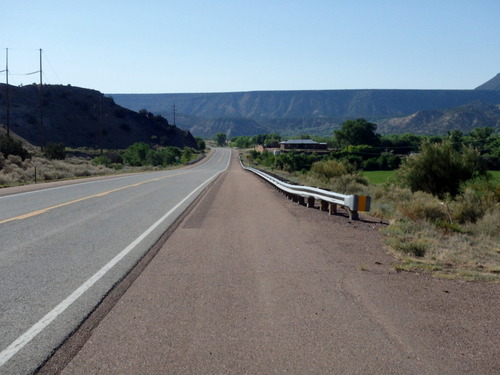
[[30, 334]]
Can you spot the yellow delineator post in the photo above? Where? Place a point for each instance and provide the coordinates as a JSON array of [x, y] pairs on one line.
[[363, 203]]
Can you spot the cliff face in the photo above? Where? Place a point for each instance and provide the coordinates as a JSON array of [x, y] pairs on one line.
[[305, 104], [296, 112], [80, 117]]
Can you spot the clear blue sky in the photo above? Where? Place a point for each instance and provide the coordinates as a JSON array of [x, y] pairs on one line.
[[153, 46]]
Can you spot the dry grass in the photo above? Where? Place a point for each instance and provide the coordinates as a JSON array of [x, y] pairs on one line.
[[455, 238], [18, 172], [452, 238]]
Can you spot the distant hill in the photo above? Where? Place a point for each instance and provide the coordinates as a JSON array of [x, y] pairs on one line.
[[232, 127], [295, 112], [464, 118], [492, 84], [74, 116]]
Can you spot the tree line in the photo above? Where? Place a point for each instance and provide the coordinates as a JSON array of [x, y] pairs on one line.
[[358, 143], [434, 164]]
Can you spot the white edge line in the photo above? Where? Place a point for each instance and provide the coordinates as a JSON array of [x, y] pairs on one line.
[[30, 334]]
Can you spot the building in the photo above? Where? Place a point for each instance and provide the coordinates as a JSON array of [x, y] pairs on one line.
[[303, 145]]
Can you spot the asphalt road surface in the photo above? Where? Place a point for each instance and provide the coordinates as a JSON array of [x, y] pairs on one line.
[[251, 283], [63, 248]]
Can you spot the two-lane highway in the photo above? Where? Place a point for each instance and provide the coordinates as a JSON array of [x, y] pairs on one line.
[[62, 250]]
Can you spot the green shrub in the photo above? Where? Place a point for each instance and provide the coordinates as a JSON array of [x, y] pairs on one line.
[[410, 237], [388, 161], [116, 166], [468, 207], [439, 169], [477, 198], [292, 161], [327, 169], [153, 158], [54, 151], [136, 154], [169, 155], [101, 160], [351, 183], [200, 143], [9, 146], [423, 206], [416, 248], [487, 225], [187, 154]]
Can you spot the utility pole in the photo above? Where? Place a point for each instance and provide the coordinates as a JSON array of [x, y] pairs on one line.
[[173, 110], [100, 122], [8, 93], [42, 133]]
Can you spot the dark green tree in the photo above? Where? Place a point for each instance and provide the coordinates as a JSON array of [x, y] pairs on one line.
[[220, 139], [241, 141], [401, 144], [357, 132], [480, 137], [456, 137]]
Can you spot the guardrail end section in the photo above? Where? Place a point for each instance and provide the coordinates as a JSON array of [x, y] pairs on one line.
[[358, 202]]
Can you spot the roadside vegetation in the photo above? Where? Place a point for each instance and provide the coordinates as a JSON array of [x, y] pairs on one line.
[[440, 196], [22, 163]]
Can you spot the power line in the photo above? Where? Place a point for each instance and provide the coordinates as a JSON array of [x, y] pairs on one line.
[[17, 73], [51, 67]]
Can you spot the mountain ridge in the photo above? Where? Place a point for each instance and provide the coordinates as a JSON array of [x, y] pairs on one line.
[[295, 112], [373, 103], [492, 84]]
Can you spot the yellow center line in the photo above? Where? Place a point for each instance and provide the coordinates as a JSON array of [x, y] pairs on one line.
[[44, 210]]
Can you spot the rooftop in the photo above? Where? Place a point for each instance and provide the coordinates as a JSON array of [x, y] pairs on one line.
[[299, 141]]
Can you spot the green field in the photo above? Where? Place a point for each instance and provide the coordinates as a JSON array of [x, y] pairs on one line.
[[378, 177], [496, 176]]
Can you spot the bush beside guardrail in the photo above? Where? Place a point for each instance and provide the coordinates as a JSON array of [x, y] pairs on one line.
[[307, 195]]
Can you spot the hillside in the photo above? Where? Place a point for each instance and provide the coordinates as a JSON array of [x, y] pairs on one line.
[[284, 111], [492, 84], [464, 118], [75, 116]]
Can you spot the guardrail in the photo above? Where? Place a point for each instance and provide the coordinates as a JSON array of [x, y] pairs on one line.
[[307, 195]]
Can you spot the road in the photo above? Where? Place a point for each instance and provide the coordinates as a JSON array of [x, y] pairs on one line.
[[252, 283], [63, 248]]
